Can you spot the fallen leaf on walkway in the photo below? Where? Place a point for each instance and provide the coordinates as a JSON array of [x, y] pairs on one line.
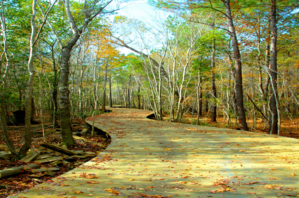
[[92, 182], [115, 192]]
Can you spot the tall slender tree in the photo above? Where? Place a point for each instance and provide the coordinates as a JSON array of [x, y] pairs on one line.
[[273, 69], [90, 11]]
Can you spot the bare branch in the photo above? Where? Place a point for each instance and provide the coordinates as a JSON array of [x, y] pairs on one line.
[[70, 17], [218, 27], [91, 17], [155, 63], [44, 22], [51, 26]]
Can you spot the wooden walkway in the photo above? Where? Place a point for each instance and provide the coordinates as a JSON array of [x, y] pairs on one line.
[[149, 158]]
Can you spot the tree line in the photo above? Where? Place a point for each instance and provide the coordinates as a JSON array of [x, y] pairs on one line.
[[237, 59]]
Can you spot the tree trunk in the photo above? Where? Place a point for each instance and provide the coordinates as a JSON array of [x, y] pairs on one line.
[[138, 96], [34, 37], [238, 66], [41, 104], [110, 93], [207, 104], [95, 96], [104, 88], [129, 96], [8, 141], [200, 100], [199, 109], [55, 91], [214, 93], [273, 71], [267, 60], [28, 108], [66, 132], [160, 93]]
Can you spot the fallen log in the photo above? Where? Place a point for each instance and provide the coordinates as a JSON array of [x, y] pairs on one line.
[[67, 157], [79, 152], [80, 138], [81, 141], [17, 170], [85, 130], [5, 155], [81, 156], [47, 160], [44, 150], [45, 127], [64, 162], [44, 170], [39, 174], [56, 163], [44, 156], [59, 149], [31, 155]]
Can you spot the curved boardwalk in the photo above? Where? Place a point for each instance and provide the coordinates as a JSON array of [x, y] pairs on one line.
[[149, 158]]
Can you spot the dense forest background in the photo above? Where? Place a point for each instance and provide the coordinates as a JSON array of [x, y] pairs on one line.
[[234, 62]]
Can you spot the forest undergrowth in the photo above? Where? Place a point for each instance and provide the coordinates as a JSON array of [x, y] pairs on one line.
[[22, 182], [288, 127]]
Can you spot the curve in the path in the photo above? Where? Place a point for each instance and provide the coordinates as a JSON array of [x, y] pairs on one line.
[[149, 158]]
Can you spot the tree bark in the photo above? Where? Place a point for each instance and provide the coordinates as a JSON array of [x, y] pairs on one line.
[[199, 98], [273, 71], [28, 108], [55, 91], [214, 93], [64, 101], [129, 95], [238, 66], [207, 103], [16, 170], [104, 88], [110, 93], [3, 117], [7, 139], [138, 96], [34, 37], [95, 96]]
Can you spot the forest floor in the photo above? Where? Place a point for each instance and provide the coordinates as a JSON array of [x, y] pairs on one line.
[[21, 182], [154, 159], [289, 127]]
